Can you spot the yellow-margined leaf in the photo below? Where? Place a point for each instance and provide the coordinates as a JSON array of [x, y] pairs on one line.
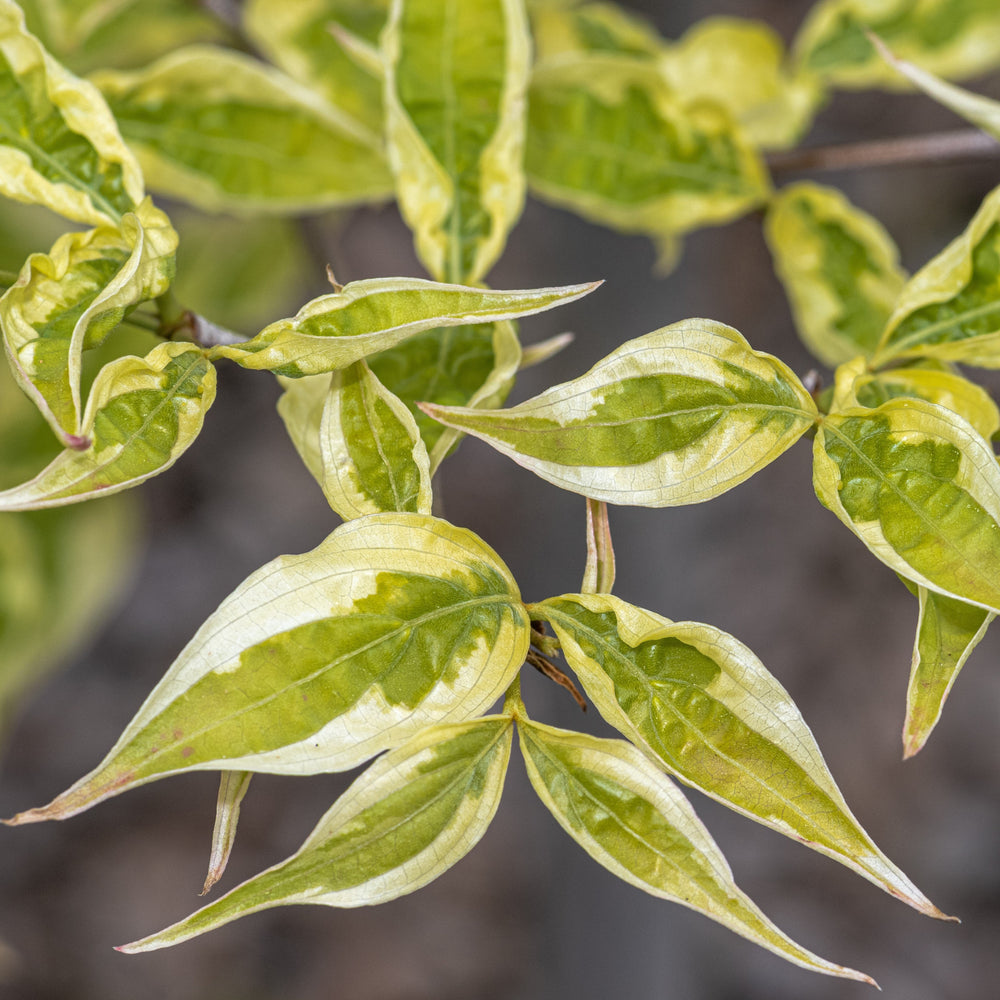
[[226, 133], [840, 270], [706, 708], [300, 407], [317, 662], [142, 414], [410, 817], [916, 483], [950, 309], [632, 819], [455, 92], [677, 416], [70, 299], [372, 315], [59, 144], [953, 38]]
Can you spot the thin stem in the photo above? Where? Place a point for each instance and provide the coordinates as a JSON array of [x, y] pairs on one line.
[[931, 148]]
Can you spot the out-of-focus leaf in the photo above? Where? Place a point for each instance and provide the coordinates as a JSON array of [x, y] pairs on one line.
[[226, 133], [373, 457], [411, 816], [840, 270], [455, 91], [142, 414], [59, 144], [953, 38], [233, 786], [677, 416], [950, 309], [319, 661], [562, 30], [632, 819], [70, 299], [705, 707], [921, 489], [608, 139], [297, 37], [372, 315], [740, 64], [69, 23], [536, 354], [947, 632]]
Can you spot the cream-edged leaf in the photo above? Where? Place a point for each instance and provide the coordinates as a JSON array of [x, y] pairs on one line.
[[227, 133], [373, 457], [708, 711], [372, 315], [950, 309], [69, 299], [632, 819], [916, 483], [142, 414], [410, 817], [455, 94], [839, 267], [319, 661], [300, 407], [677, 416], [59, 144]]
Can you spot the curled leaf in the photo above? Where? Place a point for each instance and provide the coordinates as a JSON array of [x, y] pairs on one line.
[[233, 786]]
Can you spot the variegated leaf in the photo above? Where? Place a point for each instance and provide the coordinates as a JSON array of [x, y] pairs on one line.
[[373, 315], [677, 416], [455, 91], [59, 144], [921, 489], [953, 38], [68, 300], [950, 309], [561, 30], [840, 270], [317, 662], [632, 819], [301, 410], [410, 817], [706, 708], [226, 133], [142, 414]]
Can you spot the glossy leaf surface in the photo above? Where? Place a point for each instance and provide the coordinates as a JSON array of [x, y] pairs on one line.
[[677, 416], [411, 816], [59, 144], [921, 489], [456, 82], [632, 819], [369, 316], [226, 133], [840, 270], [950, 309], [68, 300], [319, 661], [704, 706]]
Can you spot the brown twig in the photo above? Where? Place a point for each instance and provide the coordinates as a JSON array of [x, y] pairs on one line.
[[550, 670]]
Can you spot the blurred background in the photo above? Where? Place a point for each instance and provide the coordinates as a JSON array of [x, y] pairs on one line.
[[526, 916]]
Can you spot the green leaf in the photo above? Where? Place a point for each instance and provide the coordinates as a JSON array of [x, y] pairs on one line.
[[319, 661], [373, 457], [561, 30], [233, 786], [632, 819], [455, 91], [740, 64], [953, 38], [70, 299], [705, 707], [69, 23], [226, 133], [59, 144], [142, 414], [610, 140], [298, 38], [409, 818], [947, 633], [921, 489], [677, 416], [840, 270], [950, 309], [369, 316]]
